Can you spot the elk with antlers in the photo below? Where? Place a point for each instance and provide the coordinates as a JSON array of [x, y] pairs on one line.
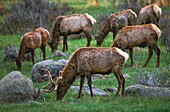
[[115, 22], [85, 62], [32, 40], [71, 24]]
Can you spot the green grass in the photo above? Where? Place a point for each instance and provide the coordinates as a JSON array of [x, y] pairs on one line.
[[98, 103]]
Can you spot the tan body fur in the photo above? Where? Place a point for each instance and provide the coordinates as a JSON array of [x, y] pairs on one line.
[[150, 14], [87, 61], [139, 36], [71, 24], [115, 22], [32, 40]]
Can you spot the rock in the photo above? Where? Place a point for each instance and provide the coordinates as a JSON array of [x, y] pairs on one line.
[[11, 53], [39, 69], [147, 91], [59, 54], [86, 90], [16, 88], [126, 76], [97, 76], [110, 90]]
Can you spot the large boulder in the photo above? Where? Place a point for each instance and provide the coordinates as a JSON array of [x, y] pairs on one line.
[[39, 69], [147, 91], [16, 88]]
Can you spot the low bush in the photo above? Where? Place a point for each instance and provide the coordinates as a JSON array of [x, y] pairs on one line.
[[30, 14], [154, 79]]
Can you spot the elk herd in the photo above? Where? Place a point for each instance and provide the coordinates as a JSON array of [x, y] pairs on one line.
[[87, 61]]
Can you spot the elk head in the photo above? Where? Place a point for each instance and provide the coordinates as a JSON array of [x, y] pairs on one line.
[[99, 40], [61, 87], [51, 44], [18, 62]]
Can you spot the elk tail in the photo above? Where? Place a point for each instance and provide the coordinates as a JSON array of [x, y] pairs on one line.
[[93, 21], [124, 54], [157, 10], [157, 31]]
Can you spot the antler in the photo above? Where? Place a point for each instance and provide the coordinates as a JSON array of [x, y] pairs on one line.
[[49, 76], [52, 83], [58, 80]]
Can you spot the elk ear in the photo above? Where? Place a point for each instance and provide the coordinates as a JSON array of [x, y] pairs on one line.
[[60, 76], [58, 80]]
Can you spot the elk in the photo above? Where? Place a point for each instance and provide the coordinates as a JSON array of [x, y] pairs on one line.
[[52, 85], [139, 36], [150, 14], [115, 22], [30, 41], [85, 62], [71, 24]]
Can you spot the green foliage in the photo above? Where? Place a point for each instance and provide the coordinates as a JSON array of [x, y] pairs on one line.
[[98, 103]]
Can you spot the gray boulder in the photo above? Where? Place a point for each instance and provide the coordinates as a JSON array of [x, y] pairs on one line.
[[97, 76], [147, 91], [110, 89], [16, 88], [86, 90], [39, 69]]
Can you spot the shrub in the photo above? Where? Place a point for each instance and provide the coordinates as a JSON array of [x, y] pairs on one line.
[[165, 27], [31, 14], [11, 53], [153, 79]]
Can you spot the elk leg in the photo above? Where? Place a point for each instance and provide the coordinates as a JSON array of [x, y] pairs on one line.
[[87, 33], [149, 55], [131, 55], [55, 41], [123, 84], [119, 82], [43, 51], [81, 85], [157, 50], [65, 43], [32, 53], [89, 81], [114, 34]]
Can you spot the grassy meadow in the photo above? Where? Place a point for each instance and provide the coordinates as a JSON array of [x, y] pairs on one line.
[[99, 103]]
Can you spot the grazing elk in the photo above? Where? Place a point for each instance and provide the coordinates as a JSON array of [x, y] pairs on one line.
[[87, 61], [52, 84], [71, 24], [30, 41], [139, 36], [115, 22], [150, 14]]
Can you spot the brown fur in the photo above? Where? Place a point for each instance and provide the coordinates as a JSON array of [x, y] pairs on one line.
[[32, 40], [71, 24], [150, 14], [139, 36], [87, 61], [115, 22]]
